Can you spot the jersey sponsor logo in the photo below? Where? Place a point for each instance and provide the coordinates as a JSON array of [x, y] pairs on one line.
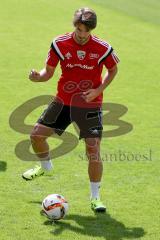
[[68, 55], [69, 65], [83, 85], [81, 54], [93, 55], [70, 87]]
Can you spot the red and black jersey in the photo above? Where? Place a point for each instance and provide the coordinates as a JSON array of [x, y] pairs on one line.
[[81, 66]]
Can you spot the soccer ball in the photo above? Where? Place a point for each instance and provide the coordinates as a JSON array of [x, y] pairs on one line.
[[54, 206]]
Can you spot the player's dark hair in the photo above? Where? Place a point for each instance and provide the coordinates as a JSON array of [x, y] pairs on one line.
[[85, 16]]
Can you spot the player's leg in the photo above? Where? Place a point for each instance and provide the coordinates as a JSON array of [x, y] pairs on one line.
[[95, 167], [54, 119], [89, 121], [95, 170], [39, 136]]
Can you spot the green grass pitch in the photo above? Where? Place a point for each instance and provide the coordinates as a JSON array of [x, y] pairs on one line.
[[130, 185]]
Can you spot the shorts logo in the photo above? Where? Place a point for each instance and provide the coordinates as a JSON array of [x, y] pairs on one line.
[[94, 132], [81, 54], [93, 55], [68, 55]]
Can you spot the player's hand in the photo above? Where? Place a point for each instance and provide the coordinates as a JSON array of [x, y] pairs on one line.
[[91, 94], [34, 76]]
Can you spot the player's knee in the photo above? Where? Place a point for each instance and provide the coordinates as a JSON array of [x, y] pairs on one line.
[[92, 143], [36, 137], [92, 148]]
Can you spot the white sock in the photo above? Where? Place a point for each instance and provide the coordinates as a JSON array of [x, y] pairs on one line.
[[95, 186], [46, 163]]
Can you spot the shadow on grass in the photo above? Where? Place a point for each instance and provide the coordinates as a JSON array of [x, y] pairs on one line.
[[3, 166], [102, 225], [36, 202]]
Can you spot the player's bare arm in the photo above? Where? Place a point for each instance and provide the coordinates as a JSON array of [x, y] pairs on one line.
[[91, 94], [44, 75]]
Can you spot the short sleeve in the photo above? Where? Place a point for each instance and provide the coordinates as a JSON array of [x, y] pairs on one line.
[[52, 58], [111, 60]]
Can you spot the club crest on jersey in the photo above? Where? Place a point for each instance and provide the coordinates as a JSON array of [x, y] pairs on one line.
[[68, 55], [81, 54]]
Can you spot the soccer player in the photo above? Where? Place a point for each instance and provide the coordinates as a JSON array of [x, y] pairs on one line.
[[79, 96]]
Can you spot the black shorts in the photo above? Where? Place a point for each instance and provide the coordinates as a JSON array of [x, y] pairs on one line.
[[59, 117]]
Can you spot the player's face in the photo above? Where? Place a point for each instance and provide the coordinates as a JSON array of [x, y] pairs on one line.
[[81, 34]]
